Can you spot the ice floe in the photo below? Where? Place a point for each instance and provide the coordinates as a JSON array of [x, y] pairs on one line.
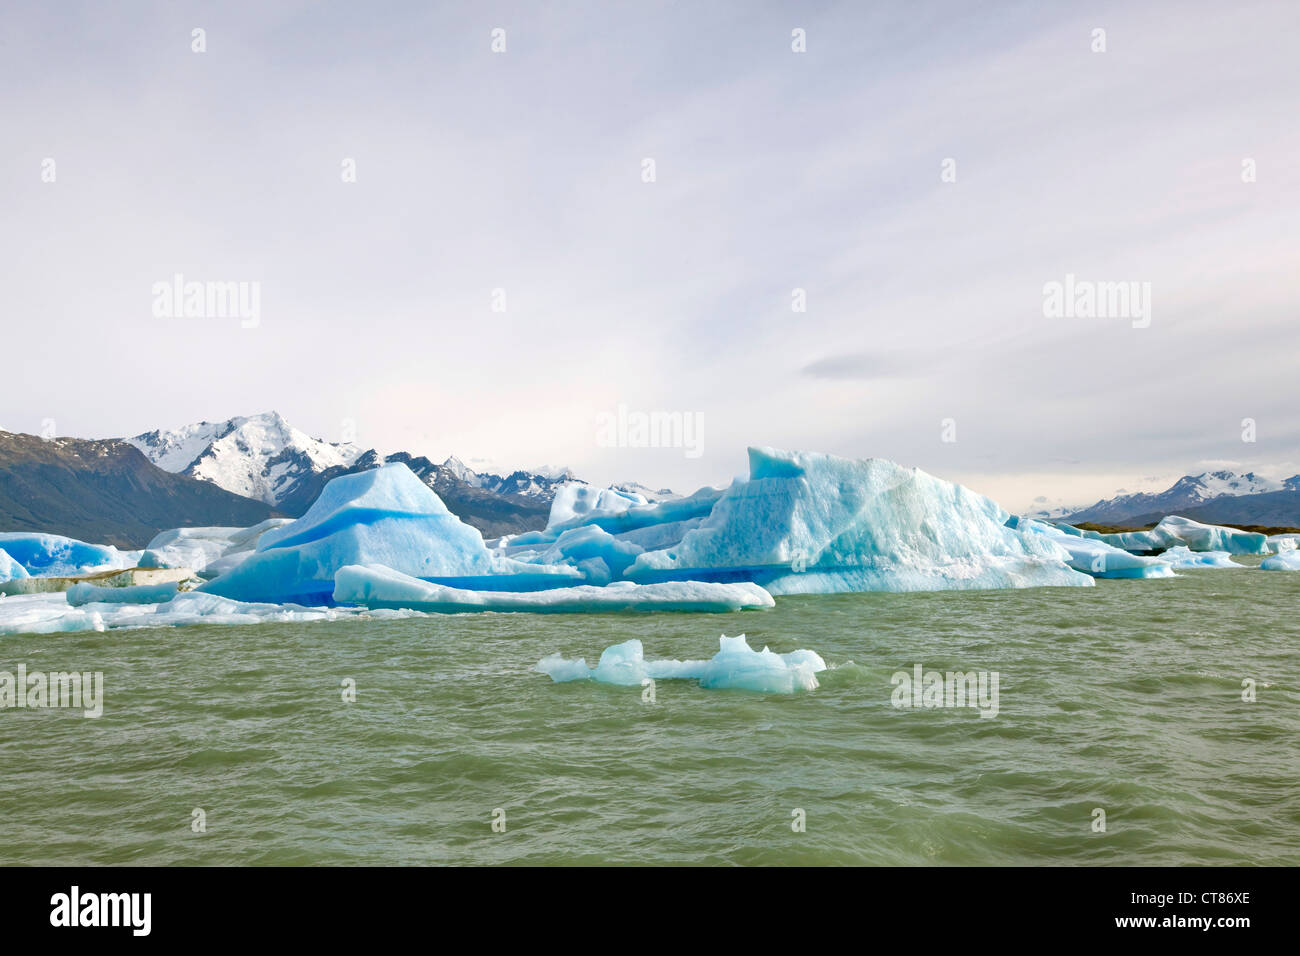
[[736, 666], [1183, 558], [51, 613], [1283, 561], [379, 587]]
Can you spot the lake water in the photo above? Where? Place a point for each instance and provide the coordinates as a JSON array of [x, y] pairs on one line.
[[1125, 697]]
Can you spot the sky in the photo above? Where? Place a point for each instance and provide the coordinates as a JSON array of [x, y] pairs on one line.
[[503, 275]]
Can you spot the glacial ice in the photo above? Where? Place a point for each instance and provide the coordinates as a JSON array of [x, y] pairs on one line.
[[1182, 558], [10, 570], [812, 523], [1211, 537], [208, 551], [385, 516], [51, 613], [85, 593], [736, 666], [1095, 557], [574, 503], [1282, 561], [380, 587], [1277, 543], [53, 555], [1174, 530]]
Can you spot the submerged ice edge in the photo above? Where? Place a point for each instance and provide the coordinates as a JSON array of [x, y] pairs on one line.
[[736, 666], [52, 614]]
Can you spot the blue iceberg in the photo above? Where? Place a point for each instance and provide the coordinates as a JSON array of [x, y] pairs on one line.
[[385, 516], [53, 555], [807, 523], [736, 666]]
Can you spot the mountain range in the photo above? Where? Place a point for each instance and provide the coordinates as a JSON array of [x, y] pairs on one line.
[[1217, 497], [266, 458]]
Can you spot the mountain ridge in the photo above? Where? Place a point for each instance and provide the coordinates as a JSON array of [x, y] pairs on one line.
[[1216, 496], [106, 491], [265, 458]]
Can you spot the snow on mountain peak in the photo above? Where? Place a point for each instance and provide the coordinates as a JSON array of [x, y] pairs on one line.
[[257, 456], [1190, 491], [1216, 483], [460, 471]]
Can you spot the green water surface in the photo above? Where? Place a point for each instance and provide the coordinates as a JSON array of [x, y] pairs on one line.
[[1125, 697]]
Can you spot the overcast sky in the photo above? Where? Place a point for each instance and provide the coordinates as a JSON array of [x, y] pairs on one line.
[[774, 171]]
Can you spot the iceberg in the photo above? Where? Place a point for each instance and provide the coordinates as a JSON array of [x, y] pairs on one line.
[[1174, 531], [1094, 557], [810, 523], [380, 587], [1282, 561], [1277, 543], [10, 570], [53, 555], [208, 551], [1212, 537], [385, 516], [1182, 558], [736, 666]]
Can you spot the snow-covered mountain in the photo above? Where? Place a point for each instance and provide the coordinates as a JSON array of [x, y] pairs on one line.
[[261, 456], [265, 458], [1191, 493]]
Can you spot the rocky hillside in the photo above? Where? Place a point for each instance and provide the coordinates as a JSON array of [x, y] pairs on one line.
[[107, 492]]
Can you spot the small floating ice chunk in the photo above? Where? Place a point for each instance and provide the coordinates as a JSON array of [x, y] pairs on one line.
[[561, 670], [1183, 558], [736, 666], [1283, 561]]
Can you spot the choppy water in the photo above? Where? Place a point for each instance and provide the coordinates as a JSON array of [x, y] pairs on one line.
[[1126, 696]]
